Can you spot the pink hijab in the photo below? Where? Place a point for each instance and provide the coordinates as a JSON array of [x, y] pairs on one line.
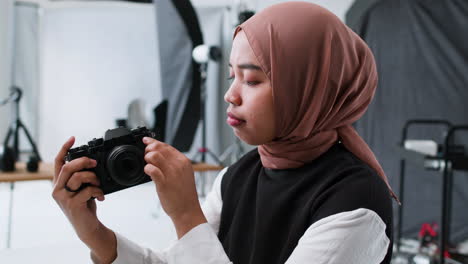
[[323, 78]]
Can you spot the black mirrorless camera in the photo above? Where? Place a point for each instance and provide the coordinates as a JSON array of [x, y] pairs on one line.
[[119, 156]]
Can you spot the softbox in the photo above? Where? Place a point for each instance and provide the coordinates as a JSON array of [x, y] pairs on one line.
[[178, 33]]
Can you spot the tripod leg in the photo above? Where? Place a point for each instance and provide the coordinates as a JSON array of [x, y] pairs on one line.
[[240, 149], [16, 140], [33, 145], [10, 214], [195, 157], [213, 156], [7, 139], [200, 183]]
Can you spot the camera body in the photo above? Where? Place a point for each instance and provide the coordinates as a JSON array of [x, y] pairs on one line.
[[119, 156]]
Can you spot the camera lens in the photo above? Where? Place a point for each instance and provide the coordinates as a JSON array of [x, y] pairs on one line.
[[125, 165]]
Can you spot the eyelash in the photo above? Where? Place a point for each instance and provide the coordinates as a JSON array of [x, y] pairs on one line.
[[248, 83]]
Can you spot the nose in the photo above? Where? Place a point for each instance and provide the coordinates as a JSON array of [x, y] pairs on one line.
[[232, 96]]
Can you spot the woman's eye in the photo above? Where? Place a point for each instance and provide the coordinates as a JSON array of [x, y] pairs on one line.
[[252, 83]]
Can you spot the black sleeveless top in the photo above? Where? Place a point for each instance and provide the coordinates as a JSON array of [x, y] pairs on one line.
[[265, 212]]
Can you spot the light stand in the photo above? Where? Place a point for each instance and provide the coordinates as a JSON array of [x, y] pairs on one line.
[[203, 54], [234, 151], [16, 124]]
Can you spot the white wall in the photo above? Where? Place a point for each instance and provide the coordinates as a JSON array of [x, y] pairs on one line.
[[5, 45], [94, 59]]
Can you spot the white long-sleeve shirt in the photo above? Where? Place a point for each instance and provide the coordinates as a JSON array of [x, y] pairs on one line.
[[354, 237]]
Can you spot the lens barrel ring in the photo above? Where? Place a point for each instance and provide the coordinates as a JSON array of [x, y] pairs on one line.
[[125, 165]]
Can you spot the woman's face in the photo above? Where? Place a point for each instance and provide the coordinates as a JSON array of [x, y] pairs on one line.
[[250, 112]]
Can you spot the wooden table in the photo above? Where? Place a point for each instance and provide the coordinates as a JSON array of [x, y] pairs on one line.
[[46, 172]]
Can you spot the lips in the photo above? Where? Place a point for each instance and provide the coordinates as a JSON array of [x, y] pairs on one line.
[[233, 120]]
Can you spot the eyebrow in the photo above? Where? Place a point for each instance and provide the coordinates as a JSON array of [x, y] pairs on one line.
[[248, 66]]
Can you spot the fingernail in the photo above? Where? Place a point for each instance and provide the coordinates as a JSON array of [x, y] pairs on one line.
[[145, 139]]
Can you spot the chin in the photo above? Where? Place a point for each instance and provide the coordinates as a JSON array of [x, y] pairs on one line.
[[248, 140]]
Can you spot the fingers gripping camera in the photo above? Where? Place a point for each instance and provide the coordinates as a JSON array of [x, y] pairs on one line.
[[119, 156]]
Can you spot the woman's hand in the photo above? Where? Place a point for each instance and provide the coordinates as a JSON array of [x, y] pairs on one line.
[[80, 207], [172, 172]]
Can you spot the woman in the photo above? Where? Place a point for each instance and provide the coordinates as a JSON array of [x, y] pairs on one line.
[[312, 192]]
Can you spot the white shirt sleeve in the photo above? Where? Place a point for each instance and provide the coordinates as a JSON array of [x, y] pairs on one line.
[[199, 245], [353, 237], [130, 253], [214, 203]]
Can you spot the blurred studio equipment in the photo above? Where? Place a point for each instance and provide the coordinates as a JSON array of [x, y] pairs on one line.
[[176, 117], [178, 31], [244, 15], [244, 10], [203, 54], [10, 152], [185, 78], [235, 151], [188, 62], [420, 88], [137, 116]]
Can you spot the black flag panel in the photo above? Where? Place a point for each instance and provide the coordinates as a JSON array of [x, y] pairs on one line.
[[421, 51]]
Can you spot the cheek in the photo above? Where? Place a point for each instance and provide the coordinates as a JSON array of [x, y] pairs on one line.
[[265, 107], [262, 119]]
